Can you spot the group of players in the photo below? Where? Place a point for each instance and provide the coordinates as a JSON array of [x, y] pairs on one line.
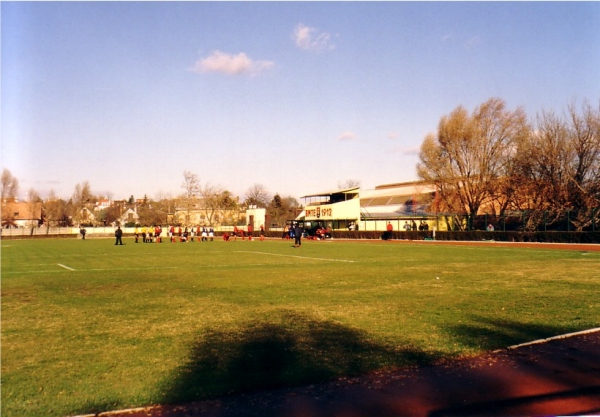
[[151, 234], [243, 234]]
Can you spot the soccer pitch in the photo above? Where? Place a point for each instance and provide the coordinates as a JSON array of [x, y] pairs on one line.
[[88, 326]]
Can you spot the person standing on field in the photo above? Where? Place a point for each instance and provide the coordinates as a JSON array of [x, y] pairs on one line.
[[297, 235], [118, 236], [388, 231]]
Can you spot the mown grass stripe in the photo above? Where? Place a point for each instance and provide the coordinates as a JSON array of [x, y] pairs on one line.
[[88, 270], [296, 256]]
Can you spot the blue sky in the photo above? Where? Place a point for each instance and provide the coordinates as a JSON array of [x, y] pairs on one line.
[[296, 96]]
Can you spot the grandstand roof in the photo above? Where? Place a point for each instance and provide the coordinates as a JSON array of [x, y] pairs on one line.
[[330, 193]]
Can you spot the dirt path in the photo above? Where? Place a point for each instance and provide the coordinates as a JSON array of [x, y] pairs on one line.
[[558, 377]]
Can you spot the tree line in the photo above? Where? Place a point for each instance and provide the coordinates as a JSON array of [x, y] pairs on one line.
[[211, 200], [494, 161]]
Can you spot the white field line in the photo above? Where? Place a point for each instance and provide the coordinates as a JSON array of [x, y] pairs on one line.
[[66, 267], [131, 269], [48, 271], [296, 256]]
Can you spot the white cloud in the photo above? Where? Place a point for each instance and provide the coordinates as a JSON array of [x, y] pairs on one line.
[[229, 64], [393, 135], [472, 43], [447, 37], [311, 39], [347, 136], [404, 150]]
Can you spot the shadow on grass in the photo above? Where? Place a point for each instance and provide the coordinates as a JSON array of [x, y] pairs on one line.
[[298, 350], [295, 350], [488, 334]]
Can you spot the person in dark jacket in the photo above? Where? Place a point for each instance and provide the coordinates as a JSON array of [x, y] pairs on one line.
[[297, 235], [118, 236]]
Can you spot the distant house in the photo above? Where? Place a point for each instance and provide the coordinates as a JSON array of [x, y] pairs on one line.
[[86, 217], [21, 214], [206, 217], [102, 204], [130, 216]]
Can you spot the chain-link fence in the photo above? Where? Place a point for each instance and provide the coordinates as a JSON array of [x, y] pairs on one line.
[[587, 220]]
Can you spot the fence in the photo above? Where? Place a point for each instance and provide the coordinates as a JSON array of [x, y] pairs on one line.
[[58, 231], [73, 232], [514, 221], [587, 220]]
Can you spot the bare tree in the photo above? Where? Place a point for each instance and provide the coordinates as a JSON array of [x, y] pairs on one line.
[[342, 185], [51, 209], [558, 167], [82, 198], [584, 178], [258, 196], [191, 186], [34, 206], [10, 185], [469, 154], [56, 211], [166, 204], [211, 201], [82, 194]]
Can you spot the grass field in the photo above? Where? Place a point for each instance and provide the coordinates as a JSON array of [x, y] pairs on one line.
[[88, 326]]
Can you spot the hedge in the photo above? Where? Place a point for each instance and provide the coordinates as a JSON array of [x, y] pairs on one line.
[[474, 235]]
